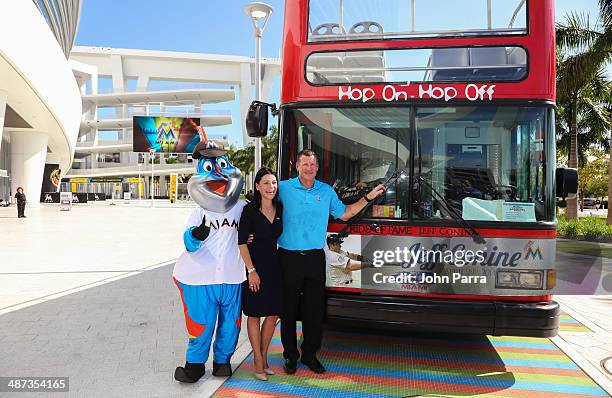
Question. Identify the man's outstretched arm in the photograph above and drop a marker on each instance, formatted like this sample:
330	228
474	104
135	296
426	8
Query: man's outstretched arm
355	208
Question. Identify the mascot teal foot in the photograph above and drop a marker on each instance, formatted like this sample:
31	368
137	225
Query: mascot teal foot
210	272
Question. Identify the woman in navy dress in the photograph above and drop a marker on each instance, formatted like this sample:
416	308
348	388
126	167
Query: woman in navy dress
262	294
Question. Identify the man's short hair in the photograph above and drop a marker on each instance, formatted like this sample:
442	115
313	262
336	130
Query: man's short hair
306	152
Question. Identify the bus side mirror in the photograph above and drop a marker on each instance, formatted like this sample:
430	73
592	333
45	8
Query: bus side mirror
567	181
257	118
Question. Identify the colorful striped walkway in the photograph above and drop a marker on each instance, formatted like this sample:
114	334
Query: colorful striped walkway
366	365
569	324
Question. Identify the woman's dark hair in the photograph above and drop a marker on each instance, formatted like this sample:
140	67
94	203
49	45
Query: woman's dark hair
264	171
18	188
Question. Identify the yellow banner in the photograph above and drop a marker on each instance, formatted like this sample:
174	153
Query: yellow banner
131	179
79	180
173	187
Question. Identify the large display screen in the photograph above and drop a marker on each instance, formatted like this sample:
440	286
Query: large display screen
165	134
51	178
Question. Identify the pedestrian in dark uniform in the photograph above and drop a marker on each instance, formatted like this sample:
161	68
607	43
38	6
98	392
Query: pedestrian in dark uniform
21	202
307	204
261	295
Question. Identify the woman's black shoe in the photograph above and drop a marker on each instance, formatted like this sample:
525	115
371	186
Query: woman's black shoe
290	366
222	369
190	373
314	365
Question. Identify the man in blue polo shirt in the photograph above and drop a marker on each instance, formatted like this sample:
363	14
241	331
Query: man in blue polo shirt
307	204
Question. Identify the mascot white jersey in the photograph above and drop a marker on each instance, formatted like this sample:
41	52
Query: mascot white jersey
210	272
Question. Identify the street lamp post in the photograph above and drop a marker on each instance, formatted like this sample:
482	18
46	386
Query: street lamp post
259	13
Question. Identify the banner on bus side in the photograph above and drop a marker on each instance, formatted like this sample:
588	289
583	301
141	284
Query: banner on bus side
458	265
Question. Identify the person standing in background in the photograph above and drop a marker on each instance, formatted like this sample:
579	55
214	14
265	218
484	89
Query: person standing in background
21	202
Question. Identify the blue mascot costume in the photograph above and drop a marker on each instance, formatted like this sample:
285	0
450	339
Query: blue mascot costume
210	272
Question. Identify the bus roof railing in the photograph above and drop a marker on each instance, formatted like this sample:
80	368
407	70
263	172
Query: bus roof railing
516	12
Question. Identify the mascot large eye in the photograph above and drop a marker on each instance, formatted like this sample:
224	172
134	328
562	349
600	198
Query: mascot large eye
222	163
207	166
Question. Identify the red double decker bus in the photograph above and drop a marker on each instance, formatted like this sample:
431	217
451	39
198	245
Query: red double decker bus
451	105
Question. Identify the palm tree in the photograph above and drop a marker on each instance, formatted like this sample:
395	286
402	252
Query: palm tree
592	118
583	51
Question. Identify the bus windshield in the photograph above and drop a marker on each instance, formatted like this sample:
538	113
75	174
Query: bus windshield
483	163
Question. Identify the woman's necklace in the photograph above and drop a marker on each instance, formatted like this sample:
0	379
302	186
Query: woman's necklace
268	211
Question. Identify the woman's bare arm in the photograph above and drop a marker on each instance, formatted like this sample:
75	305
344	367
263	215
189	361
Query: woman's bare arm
246	256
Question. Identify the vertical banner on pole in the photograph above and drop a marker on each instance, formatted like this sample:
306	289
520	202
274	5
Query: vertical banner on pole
173	187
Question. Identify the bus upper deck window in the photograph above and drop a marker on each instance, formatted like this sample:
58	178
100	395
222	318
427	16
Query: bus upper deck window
449	64
335	20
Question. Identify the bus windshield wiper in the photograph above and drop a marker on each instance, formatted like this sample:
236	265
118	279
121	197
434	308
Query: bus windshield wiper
402	174
453	212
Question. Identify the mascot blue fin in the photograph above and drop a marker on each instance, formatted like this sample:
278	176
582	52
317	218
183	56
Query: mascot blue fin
191	244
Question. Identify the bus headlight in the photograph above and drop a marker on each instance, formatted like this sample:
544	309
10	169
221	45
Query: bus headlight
519	279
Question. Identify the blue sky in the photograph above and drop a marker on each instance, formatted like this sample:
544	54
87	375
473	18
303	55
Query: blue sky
205	26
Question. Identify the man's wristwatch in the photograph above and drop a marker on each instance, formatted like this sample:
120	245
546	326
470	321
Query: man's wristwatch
249	270
366	198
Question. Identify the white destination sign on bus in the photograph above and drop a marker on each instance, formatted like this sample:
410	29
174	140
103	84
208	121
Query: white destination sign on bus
390	93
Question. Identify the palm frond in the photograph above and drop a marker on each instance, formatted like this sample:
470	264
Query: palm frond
601	88
595	117
575	72
575	33
605	11
603	45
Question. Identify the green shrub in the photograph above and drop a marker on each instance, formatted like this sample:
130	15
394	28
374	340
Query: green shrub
569	229
589	228
594	230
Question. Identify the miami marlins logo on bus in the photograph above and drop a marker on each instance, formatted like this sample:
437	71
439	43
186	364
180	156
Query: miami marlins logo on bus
532	250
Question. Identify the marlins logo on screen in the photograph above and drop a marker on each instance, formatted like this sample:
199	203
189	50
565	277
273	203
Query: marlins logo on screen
165	134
